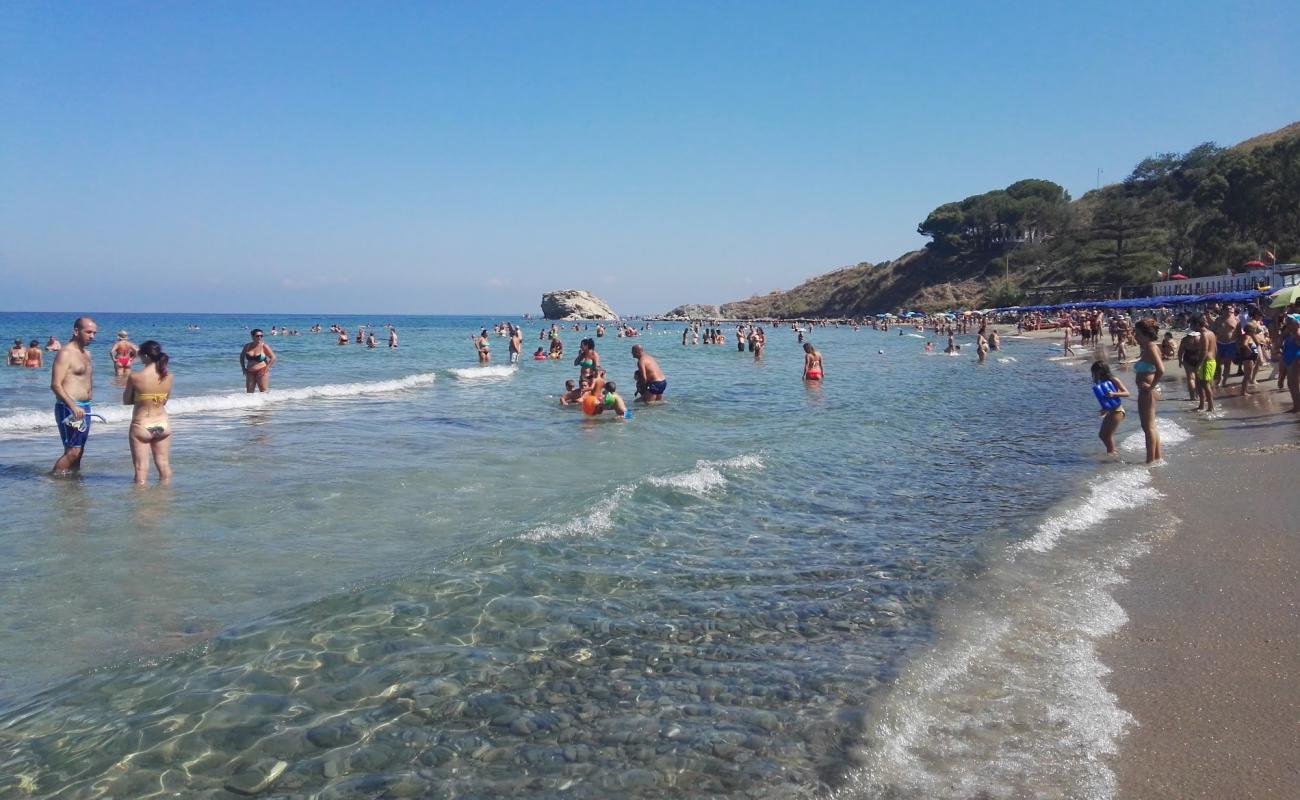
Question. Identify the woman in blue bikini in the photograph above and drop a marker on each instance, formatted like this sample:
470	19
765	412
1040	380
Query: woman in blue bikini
1148	370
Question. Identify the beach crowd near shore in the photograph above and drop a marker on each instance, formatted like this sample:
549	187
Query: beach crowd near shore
1216	344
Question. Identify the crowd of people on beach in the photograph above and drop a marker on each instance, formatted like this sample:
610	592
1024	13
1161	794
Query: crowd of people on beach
1213	342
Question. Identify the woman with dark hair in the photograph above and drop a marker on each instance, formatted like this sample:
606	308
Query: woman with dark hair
1108	390
150	432
588	360
256	359
35	358
1147	371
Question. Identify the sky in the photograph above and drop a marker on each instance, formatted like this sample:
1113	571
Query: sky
464	158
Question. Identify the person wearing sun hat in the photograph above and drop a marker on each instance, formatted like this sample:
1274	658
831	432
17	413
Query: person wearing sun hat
122	353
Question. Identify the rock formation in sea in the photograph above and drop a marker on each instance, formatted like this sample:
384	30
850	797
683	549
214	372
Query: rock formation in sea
694	311
575	304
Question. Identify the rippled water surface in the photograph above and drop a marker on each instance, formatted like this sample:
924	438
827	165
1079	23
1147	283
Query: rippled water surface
400	575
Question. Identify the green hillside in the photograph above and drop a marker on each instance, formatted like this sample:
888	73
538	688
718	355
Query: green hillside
1201	211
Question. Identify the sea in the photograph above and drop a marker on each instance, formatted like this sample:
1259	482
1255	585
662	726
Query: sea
402	574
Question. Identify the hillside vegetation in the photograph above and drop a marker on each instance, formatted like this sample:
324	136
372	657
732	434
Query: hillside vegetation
1201	212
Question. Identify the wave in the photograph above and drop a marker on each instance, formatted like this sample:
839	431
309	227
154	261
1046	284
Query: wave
481	373
1012	700
1127	488
704	479
22	421
1170	433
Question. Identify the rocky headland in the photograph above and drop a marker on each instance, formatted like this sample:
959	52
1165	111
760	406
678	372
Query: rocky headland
575	304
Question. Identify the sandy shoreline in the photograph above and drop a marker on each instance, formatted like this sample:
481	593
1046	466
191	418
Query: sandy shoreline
1209	662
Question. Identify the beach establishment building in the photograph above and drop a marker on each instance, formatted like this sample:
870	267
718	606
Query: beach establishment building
1278	276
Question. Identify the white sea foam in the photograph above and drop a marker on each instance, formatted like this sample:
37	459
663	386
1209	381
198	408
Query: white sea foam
1107	494
494	371
705	478
592	522
916	336
23	421
1007	360
1171	433
1012	701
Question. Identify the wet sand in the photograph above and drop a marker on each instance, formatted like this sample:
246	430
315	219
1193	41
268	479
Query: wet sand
1209	663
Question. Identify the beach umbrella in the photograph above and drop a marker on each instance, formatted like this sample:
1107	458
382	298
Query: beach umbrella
1254	265
1285	297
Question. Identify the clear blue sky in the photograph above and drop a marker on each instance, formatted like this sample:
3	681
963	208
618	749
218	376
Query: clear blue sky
465	157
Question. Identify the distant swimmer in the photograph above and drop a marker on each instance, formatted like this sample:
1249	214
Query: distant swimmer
343	337
483	348
929	347
656	383
1147	371
540	355
256	360
361	334
17	354
981	347
71	380
122	353
1108	390
52	345
371	344
392	338
147	391
995	341
952	345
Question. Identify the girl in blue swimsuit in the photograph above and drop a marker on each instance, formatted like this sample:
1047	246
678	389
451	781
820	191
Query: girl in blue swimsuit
1108	390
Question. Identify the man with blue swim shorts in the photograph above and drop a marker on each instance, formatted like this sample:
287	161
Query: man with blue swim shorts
71	381
1226	330
651	374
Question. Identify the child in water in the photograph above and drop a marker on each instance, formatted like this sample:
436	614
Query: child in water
1108	390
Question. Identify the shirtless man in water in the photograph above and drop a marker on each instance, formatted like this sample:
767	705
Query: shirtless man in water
71	381
1205	364
655	382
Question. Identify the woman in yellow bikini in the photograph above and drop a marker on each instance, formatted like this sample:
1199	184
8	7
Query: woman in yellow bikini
150	432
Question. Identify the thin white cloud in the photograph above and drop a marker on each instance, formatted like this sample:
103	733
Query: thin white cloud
317	282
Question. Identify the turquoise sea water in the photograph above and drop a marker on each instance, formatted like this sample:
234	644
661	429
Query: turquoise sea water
398	574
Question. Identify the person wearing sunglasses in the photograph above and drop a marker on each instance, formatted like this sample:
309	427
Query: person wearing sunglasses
256	360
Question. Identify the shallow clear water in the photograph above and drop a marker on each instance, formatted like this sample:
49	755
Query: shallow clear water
398	572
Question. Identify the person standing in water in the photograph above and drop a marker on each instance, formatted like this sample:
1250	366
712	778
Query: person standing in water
122	354
147	392
1108	390
256	360
516	343
392	338
483	348
1206	365
812	363
1147	371
71	380
35	358
655	381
